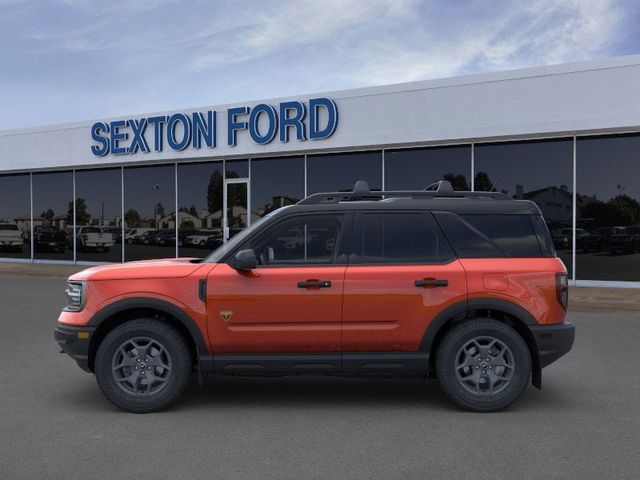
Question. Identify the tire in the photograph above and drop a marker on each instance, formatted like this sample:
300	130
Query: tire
151	335
469	386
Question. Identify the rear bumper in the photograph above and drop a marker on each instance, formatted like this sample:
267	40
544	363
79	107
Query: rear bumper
554	341
74	341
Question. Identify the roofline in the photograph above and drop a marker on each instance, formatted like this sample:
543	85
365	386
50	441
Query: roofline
479	78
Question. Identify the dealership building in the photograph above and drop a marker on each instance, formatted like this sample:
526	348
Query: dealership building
180	183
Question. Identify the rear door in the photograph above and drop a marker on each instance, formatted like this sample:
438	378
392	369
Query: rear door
401	273
291	303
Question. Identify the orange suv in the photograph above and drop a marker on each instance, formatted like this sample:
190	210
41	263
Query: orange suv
462	286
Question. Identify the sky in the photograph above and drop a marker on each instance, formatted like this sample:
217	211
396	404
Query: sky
73	60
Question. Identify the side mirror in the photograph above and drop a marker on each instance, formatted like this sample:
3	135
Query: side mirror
245	260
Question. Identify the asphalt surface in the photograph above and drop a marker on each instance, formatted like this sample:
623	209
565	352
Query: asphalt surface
54	423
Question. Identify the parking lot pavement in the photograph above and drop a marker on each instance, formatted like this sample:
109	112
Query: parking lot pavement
54	423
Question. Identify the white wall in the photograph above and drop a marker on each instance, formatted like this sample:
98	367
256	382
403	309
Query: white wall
574	98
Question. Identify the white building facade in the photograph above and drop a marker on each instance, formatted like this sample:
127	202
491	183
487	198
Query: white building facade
565	136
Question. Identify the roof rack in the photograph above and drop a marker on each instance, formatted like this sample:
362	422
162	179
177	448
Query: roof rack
361	192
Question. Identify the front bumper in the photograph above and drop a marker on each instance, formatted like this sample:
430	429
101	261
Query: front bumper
554	341
74	341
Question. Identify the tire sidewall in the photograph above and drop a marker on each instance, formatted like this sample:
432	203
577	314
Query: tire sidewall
456	339
178	377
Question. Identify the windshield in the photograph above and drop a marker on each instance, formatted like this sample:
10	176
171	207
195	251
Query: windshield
232	243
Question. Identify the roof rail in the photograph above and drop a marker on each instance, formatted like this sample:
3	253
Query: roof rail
361	192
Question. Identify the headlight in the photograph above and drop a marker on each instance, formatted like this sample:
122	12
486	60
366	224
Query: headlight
75	296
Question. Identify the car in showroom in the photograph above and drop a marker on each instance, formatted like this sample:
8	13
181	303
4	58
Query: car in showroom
465	287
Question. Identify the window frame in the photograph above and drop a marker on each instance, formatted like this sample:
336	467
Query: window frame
431	222
340	255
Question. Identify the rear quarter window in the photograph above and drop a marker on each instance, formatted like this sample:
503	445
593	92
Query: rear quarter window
490	235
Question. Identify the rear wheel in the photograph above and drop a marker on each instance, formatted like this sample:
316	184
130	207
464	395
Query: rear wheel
143	365
483	365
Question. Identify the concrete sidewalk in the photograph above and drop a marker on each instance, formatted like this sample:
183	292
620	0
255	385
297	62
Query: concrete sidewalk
581	299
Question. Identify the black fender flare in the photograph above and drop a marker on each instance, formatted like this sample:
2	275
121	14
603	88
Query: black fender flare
156	304
461	309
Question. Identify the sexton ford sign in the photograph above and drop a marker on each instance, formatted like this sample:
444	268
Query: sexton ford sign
314	120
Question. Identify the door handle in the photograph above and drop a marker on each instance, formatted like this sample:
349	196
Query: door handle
315	284
431	282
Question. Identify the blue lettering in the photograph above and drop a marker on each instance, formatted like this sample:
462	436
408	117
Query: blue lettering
254	119
233	125
204	129
117	136
171	131
139	142
157	123
332	111
296	121
103	148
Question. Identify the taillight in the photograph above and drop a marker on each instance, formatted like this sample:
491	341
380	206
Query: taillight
562	289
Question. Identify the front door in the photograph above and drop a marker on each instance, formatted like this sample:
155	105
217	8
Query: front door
291	303
401	274
236	216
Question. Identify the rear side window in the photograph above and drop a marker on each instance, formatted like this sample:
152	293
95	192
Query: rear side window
485	235
398	238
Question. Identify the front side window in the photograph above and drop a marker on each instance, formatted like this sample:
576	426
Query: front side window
399	238
304	240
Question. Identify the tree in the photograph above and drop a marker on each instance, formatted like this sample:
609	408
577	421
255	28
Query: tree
159	209
193	210
132	218
459	182
82	216
482	182
48	215
214	192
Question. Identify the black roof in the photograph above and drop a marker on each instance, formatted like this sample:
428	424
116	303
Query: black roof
439	196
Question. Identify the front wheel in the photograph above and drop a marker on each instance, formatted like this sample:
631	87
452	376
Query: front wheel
483	365
143	365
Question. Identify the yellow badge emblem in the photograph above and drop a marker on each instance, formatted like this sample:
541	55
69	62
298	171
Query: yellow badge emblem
226	314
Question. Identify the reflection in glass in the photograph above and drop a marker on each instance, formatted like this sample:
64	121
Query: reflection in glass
608	208
98	215
236	208
53	215
341	171
275	182
149	203
200	189
237	168
540	171
416	168
15	216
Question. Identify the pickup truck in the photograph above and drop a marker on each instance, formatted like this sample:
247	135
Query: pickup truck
10	237
93	238
49	238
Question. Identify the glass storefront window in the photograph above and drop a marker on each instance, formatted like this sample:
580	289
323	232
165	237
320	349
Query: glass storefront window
200	189
98	215
149	204
275	182
341	171
416	168
540	171
53	216
237	168
608	208
15	216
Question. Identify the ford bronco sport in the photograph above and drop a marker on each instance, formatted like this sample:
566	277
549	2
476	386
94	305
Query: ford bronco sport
462	286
